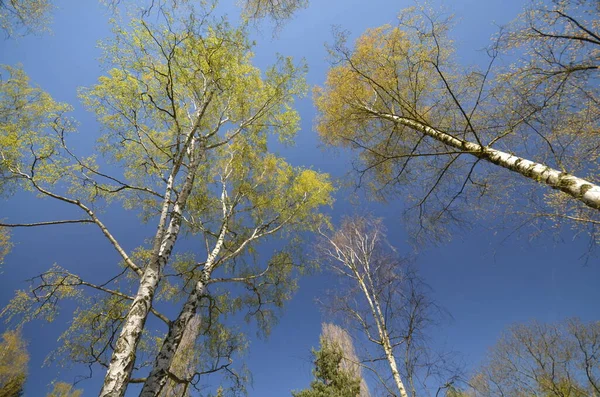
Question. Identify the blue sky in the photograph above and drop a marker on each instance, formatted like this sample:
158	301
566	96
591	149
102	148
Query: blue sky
486	282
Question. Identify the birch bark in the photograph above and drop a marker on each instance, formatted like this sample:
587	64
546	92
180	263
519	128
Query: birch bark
383	335
580	189
123	358
158	376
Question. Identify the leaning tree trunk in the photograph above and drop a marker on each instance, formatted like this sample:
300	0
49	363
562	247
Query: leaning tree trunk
580	189
123	357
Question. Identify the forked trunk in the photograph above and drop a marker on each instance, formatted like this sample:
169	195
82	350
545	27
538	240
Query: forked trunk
123	357
160	371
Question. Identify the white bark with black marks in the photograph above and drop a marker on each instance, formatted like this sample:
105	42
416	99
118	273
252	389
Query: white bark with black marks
384	336
123	358
160	371
580	189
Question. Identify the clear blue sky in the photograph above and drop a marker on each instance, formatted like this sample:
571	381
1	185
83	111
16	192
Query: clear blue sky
484	282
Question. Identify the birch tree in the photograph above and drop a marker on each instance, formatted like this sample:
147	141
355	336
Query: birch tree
384	300
441	135
186	119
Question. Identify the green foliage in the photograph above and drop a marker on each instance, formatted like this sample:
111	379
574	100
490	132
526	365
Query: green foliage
42	301
31	129
13	364
330	379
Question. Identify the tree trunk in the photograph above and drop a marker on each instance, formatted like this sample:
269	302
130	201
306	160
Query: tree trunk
184	364
578	188
383	334
160	371
123	357
389	355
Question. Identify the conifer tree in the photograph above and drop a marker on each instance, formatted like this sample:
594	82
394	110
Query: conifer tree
331	379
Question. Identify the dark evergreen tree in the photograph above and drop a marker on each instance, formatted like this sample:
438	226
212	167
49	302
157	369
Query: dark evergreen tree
331	380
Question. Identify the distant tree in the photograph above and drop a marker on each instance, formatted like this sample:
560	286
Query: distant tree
456	392
543	360
62	389
13	364
384	300
443	136
333	378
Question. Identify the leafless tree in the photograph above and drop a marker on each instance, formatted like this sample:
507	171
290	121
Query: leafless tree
543	360
385	301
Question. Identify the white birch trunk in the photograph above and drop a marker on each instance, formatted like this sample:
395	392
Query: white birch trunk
389	355
383	335
123	358
160	371
578	188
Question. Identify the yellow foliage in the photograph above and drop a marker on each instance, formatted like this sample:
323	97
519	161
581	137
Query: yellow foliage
62	389
13	363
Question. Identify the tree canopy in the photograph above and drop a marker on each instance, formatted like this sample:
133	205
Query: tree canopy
539	359
186	120
24	15
424	128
